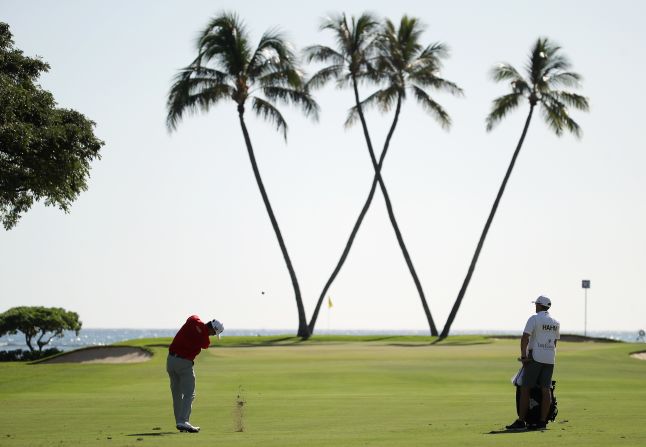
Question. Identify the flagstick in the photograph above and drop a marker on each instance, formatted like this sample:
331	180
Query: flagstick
329	308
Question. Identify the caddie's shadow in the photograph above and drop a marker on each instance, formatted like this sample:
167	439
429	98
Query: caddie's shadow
508	432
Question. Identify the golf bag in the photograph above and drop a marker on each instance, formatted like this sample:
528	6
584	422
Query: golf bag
535	398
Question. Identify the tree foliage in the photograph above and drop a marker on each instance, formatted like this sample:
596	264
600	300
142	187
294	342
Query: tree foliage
45	151
402	63
546	73
228	68
45	323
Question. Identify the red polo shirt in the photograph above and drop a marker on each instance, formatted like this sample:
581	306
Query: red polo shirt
190	339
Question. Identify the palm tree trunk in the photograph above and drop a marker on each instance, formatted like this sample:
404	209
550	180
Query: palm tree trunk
389	207
355	229
303	330
483	236
402	245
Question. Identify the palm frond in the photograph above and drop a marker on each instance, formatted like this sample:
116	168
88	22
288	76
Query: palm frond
299	97
383	98
388	97
323	76
182	99
225	40
579	102
353	112
269	112
344	81
333	22
197	74
556	115
425	80
505	72
288	75
321	53
553	114
273	50
363	31
563	79
573	126
435	51
338	25
408	35
501	107
432	107
556	63
195	88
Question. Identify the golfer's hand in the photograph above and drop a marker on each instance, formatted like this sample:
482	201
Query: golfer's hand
523	359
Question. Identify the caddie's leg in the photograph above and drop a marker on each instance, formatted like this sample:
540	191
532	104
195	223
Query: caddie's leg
523	405
546	402
545	382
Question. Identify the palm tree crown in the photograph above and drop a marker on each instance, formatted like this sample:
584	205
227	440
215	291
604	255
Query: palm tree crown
547	71
404	64
355	40
227	68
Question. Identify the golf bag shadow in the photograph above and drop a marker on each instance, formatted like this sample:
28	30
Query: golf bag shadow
535	397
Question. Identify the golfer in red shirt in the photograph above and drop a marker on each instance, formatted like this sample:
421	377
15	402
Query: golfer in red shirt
187	344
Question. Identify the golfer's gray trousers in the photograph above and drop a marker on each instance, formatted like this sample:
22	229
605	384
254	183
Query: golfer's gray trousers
182	387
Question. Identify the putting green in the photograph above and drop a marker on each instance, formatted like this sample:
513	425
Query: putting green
330	391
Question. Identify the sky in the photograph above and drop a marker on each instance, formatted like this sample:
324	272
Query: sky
173	224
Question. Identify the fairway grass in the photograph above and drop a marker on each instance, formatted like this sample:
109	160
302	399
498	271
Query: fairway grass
329	391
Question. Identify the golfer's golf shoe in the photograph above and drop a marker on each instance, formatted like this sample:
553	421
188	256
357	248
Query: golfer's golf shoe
186	427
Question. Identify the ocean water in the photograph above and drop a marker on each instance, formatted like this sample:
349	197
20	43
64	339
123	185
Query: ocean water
102	337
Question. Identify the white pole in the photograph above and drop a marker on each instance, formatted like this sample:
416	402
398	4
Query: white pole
585	317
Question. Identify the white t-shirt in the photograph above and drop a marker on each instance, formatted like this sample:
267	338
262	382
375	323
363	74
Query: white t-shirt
543	332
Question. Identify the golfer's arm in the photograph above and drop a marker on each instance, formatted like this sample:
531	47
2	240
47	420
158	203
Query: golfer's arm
524	341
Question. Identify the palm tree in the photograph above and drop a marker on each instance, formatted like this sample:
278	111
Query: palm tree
347	64
547	71
391	56
227	68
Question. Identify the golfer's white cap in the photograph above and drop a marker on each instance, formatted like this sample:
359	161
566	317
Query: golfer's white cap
543	301
217	327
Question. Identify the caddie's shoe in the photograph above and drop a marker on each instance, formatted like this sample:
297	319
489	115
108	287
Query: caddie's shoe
538	426
517	425
186	427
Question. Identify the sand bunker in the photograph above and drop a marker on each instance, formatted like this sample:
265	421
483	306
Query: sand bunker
103	354
639	355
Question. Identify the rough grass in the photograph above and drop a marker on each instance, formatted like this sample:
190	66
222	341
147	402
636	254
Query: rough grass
329	391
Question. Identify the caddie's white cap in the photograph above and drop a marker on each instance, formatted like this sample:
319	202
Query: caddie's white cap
217	327
543	301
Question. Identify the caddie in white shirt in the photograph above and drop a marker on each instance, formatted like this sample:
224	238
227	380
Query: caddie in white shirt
538	354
